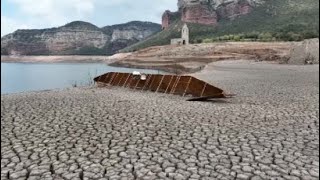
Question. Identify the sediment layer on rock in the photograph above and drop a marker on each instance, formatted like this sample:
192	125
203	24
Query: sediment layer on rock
76	38
210	12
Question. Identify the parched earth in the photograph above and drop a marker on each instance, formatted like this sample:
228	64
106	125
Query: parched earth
192	58
270	130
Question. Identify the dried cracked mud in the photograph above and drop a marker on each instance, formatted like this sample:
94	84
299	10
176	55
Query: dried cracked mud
270	130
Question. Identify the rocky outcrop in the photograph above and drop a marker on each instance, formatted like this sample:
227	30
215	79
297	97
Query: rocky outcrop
76	38
306	52
168	18
210	12
234	9
200	14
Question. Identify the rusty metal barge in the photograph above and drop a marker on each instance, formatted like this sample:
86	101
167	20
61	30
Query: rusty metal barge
169	84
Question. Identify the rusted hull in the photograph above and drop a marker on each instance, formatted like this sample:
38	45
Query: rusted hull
169	84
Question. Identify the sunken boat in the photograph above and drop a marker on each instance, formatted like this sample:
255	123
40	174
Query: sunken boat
170	84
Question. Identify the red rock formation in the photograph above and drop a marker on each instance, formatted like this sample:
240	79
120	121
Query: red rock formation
166	19
233	10
200	14
208	13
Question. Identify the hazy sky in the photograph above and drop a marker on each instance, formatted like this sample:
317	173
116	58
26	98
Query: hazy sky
37	14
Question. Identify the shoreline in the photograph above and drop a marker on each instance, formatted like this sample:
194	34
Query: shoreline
190	58
54	59
116	62
168	68
203	73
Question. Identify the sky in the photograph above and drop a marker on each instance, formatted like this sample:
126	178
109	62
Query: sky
38	14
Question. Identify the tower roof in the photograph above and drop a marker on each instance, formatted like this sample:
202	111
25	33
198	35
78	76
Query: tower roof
185	25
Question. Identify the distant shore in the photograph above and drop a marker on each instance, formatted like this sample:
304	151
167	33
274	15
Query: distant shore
115	61
55	59
193	58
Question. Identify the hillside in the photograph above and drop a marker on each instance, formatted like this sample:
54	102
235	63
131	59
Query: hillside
274	20
76	38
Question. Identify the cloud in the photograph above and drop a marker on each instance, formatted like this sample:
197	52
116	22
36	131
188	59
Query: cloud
143	10
9	25
52	13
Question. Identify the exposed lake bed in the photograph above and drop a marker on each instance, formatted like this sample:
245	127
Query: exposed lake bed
272	124
148	90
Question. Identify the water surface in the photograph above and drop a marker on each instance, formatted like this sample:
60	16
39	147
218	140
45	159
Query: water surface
23	77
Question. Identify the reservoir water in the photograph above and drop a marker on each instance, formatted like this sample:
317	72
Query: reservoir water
24	77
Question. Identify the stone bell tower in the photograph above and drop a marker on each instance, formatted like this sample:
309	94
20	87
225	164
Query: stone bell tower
185	34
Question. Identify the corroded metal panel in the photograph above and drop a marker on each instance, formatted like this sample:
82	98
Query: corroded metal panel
169	84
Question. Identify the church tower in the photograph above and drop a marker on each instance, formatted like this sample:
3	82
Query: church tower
185	34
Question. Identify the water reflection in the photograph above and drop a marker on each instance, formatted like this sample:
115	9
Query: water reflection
22	77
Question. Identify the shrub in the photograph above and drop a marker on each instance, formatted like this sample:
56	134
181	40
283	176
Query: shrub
265	36
236	38
199	40
207	40
252	35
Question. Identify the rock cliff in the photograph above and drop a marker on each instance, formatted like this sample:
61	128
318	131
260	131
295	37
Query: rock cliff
210	12
169	17
239	20
76	38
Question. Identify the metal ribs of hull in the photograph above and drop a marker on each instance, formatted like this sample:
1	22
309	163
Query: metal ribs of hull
169	84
